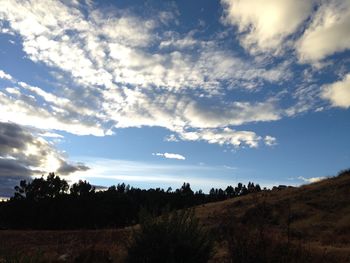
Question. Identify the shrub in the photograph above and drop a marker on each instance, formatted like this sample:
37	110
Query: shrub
175	237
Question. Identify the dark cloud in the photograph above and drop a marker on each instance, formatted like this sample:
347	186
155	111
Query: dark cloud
10	167
12	136
67	168
24	153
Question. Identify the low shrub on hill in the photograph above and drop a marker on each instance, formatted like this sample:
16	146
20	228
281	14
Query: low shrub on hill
175	237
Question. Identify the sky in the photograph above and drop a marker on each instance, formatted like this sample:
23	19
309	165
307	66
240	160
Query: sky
157	93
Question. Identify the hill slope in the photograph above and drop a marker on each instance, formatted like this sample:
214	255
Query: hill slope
316	216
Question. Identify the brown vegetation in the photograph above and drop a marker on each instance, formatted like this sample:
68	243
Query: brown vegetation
314	217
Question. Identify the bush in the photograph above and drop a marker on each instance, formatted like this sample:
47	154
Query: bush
175	237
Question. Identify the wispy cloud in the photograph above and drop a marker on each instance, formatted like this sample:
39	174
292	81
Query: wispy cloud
170	156
171	138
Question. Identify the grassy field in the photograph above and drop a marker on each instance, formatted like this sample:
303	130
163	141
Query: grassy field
313	219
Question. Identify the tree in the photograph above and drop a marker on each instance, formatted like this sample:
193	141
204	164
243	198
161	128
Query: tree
55	185
244	190
230	191
238	189
212	192
82	188
40	188
21	190
121	188
186	189
257	188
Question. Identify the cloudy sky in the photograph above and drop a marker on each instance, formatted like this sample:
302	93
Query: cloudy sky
154	93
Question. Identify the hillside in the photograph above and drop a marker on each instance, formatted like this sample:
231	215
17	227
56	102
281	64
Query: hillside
314	218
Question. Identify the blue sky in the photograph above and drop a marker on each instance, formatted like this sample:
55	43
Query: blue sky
155	93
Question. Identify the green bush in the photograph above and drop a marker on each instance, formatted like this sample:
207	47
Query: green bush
175	237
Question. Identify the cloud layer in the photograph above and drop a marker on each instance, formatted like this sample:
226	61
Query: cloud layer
123	74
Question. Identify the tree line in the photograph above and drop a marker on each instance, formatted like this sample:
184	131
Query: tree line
50	203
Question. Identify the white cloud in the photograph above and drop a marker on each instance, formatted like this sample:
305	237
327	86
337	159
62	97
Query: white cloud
140	109
132	108
51	135
113	49
224	136
328	33
170	156
270	141
236	113
265	24
338	93
21	105
272	26
171	138
116	62
26	111
312	179
13	91
3	75
230	167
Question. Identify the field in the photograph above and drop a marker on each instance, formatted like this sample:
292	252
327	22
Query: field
315	219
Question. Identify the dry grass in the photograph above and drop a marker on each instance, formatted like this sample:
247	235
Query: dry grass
319	216
60	246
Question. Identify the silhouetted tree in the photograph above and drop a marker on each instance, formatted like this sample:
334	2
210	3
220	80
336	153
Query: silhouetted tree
244	190
82	188
121	188
238	189
21	190
212	192
186	189
45	204
40	188
230	191
55	185
257	188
